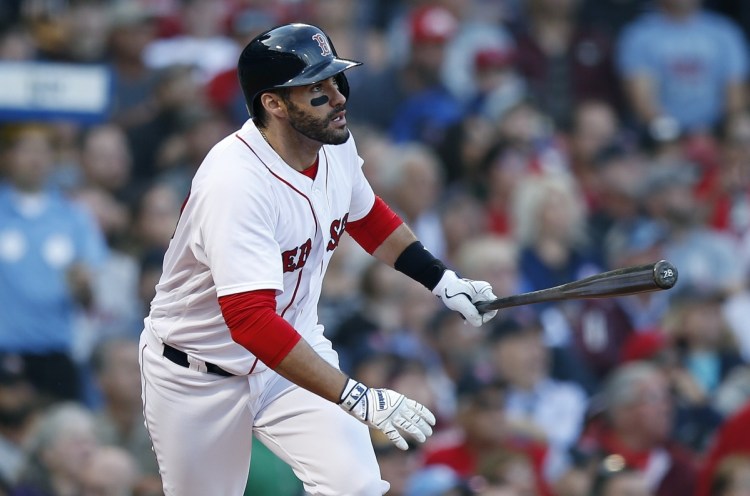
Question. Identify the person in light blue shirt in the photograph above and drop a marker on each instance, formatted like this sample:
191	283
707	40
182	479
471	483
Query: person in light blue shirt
684	66
49	246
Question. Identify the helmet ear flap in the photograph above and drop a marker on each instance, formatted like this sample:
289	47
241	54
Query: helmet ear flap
343	84
340	78
255	109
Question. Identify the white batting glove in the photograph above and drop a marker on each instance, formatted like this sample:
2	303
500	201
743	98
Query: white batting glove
462	294
389	411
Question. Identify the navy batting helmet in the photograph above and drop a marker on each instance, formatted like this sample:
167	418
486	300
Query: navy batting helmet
286	56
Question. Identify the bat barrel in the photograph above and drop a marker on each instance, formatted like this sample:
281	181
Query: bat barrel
619	282
628	280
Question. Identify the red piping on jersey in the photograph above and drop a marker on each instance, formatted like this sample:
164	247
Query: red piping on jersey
184	202
294	295
371	230
182	209
255	362
312	210
253	322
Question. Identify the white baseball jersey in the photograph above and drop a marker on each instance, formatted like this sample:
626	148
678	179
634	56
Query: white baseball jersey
252	222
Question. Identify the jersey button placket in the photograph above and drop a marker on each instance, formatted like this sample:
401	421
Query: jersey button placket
321	209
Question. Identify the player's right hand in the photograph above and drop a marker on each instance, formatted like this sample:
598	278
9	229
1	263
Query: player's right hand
391	412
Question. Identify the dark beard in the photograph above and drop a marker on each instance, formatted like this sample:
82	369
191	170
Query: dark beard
317	129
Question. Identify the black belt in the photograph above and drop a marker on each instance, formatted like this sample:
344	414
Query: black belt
181	358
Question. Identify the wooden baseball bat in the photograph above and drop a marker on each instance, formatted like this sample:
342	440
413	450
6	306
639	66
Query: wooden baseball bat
618	282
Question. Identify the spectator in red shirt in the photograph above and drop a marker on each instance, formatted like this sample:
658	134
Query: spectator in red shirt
732	438
483	433
636	424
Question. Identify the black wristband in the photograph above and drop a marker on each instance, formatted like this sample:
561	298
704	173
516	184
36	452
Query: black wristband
421	265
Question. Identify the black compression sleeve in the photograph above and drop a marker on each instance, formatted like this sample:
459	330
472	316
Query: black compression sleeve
421	265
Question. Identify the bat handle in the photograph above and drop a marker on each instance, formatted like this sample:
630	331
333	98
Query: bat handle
482	306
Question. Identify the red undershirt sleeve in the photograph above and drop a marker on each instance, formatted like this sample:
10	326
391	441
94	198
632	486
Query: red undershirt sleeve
253	322
371	230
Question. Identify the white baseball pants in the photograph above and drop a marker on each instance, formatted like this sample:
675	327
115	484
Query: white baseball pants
201	426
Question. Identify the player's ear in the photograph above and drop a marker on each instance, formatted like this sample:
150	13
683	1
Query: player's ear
272	103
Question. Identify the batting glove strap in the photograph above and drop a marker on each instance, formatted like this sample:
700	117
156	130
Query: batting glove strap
461	295
353	395
388	411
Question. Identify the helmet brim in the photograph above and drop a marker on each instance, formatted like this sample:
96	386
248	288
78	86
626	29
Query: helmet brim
320	72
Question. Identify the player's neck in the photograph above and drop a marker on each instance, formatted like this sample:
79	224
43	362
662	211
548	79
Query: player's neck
295	149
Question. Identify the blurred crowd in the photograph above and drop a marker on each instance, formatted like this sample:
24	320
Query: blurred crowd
528	143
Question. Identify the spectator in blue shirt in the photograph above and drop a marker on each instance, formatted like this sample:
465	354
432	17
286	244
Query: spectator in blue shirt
410	101
48	249
683	66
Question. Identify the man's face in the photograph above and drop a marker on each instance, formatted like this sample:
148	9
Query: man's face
120	379
428	58
483	417
650	411
317	112
17	401
522	359
30	160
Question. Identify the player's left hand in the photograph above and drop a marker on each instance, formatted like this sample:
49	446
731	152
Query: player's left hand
391	412
461	295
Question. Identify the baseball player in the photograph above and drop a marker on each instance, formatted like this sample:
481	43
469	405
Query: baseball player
232	346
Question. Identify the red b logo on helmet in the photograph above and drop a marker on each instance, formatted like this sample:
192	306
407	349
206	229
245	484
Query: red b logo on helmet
325	48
